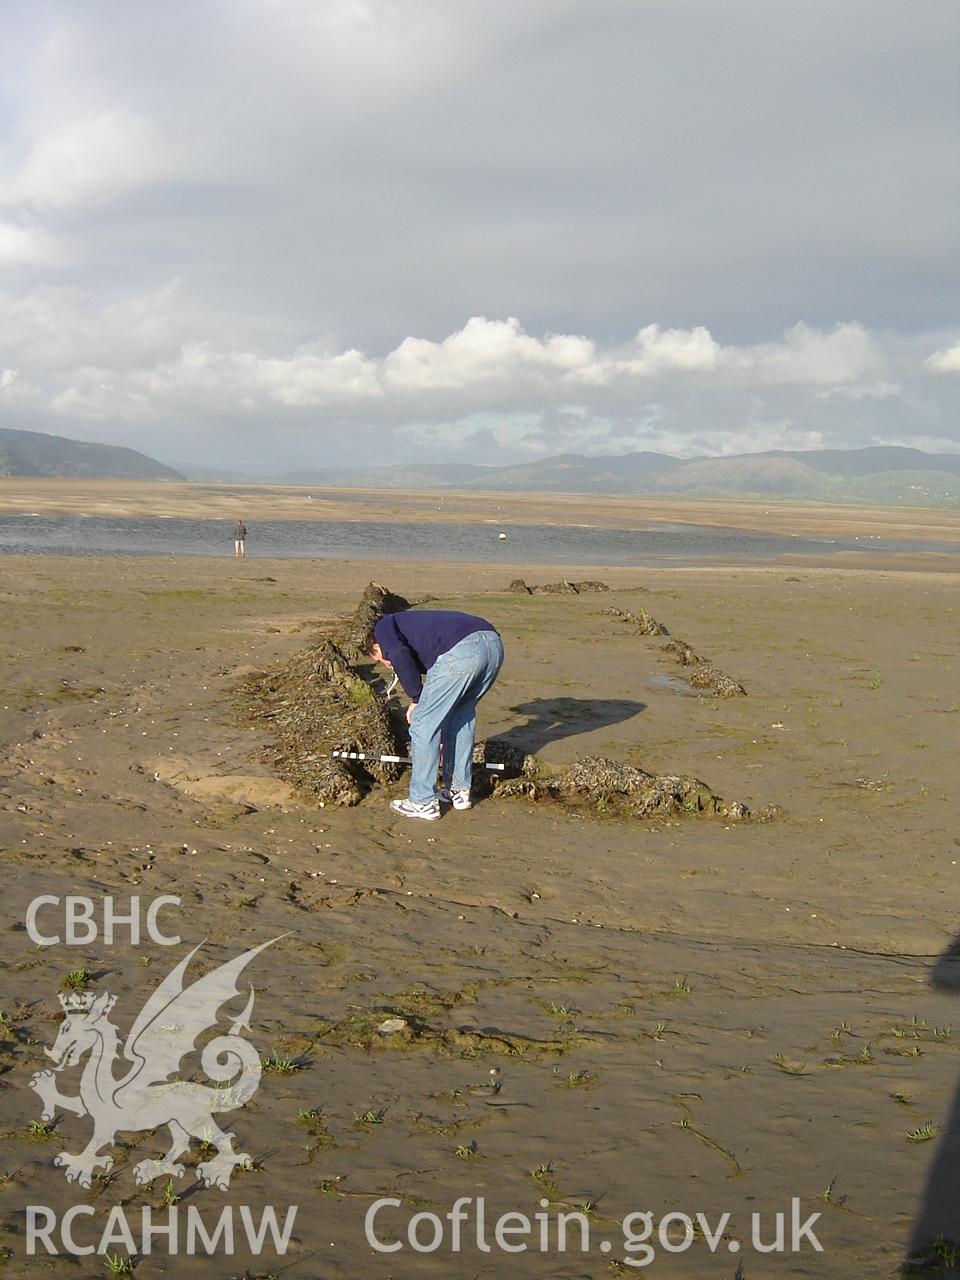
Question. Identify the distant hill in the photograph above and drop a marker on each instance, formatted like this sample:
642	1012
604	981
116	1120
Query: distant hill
432	475
32	453
886	474
200	474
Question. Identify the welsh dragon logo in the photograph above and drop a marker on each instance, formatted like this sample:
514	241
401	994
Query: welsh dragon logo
147	1093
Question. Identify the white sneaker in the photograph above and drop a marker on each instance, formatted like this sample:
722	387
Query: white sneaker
430	811
459	799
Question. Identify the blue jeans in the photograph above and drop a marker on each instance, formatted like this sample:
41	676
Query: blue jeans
446	714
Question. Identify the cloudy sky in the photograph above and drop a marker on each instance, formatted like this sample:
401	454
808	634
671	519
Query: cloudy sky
266	233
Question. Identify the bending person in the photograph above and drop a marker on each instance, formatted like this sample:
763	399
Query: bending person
446	662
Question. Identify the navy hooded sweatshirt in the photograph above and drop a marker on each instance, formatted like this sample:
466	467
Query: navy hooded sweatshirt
413	640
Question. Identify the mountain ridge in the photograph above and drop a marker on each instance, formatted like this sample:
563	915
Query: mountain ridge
36	453
887	473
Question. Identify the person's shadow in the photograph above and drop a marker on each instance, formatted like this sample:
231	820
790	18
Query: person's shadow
549	719
934	1248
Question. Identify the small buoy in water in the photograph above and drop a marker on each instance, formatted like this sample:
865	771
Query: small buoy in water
502	537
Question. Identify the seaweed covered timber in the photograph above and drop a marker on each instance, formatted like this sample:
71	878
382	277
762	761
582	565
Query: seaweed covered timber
561	588
621	790
374	603
702	674
312	705
645	623
319	702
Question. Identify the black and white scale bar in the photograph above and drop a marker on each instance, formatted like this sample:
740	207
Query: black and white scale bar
364	755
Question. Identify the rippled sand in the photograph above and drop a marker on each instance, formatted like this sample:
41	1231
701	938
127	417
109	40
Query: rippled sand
693	1016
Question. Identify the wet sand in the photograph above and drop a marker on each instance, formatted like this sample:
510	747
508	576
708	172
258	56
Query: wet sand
667	1016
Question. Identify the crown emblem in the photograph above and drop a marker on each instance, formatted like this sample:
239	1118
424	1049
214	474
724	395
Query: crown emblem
76	1001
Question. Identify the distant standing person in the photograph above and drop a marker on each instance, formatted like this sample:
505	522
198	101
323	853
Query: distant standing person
240	539
446	662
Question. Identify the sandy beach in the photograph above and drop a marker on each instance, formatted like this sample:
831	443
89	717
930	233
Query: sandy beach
677	1016
672	987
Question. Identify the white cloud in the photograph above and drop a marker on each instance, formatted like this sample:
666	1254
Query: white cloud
673	390
929	444
880	390
86	163
754	439
945	361
811	357
483	350
690	350
55	329
458	374
523	439
25	246
11	386
16	393
804	356
320	180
